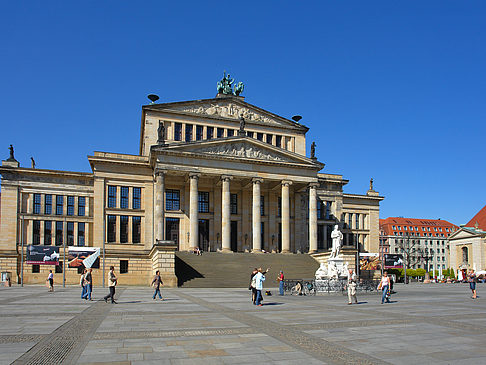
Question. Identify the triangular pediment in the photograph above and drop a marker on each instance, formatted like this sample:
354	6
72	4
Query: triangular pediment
230	108
242	148
465	232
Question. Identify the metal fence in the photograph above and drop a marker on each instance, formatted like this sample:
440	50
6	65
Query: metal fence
313	287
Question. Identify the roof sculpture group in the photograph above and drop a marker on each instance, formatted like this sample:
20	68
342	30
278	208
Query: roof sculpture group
225	86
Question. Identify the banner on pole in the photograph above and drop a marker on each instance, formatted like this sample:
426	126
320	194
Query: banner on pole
84	257
42	255
393	261
369	261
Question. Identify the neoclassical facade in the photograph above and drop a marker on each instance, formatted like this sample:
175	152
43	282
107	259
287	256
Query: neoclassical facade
219	174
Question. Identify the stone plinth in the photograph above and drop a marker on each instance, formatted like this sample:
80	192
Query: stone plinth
163	259
347	255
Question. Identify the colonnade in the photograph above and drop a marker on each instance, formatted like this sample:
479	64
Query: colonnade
226	213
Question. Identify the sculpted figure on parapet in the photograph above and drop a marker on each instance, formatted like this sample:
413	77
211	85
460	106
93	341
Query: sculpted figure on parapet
337	240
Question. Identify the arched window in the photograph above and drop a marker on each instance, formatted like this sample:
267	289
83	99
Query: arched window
464	255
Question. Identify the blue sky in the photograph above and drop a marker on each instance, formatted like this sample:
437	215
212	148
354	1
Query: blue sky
390	90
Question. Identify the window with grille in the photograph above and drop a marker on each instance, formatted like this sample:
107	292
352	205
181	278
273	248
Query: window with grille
81	206
269	138
209	132
172	199
203	201
188	132
136	200
70	205
234	203
111	229
36	232
37	203
81	228
136	229
231	132
262	205
47	233
123	266
70	233
59	204
199	132
48	204
278	141
124	229
220	132
124	197
111	196
59	233
178	132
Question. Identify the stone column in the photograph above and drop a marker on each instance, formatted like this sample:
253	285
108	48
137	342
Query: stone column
225	215
286	216
193	212
256	218
313	218
159	205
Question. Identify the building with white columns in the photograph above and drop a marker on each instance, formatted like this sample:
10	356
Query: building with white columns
218	174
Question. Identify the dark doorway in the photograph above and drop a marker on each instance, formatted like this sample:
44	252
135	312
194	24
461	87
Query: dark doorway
279	237
320	237
234	236
203	241
172	230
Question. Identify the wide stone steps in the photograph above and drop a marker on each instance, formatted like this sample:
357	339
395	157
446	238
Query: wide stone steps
232	270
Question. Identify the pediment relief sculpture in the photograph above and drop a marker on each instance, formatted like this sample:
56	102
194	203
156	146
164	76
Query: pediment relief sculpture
227	110
240	150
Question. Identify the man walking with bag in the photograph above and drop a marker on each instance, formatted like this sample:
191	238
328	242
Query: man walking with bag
352	287
112	280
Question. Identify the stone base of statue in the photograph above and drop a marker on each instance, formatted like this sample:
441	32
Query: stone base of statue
335	268
346	257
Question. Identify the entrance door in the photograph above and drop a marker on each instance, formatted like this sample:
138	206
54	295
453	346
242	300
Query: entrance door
234	236
280	237
172	230
203	241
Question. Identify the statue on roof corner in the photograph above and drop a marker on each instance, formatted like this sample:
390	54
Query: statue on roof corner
225	86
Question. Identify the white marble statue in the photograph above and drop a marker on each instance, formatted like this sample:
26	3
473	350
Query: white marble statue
321	272
332	270
337	240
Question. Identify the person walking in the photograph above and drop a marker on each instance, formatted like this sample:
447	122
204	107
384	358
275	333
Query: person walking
280	279
472	279
259	279
384	286
82	284
156	283
88	284
50	279
252	285
351	286
112	281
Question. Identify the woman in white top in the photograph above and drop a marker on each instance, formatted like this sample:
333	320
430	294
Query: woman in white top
384	286
50	279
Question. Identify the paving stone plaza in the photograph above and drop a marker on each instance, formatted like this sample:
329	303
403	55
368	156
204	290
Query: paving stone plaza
424	324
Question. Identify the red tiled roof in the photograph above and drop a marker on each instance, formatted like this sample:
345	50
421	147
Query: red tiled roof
418	224
480	217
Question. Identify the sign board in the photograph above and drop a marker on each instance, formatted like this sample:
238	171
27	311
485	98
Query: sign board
42	255
369	261
84	257
393	261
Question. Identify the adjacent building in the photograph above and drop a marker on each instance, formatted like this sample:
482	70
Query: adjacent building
468	244
423	241
218	174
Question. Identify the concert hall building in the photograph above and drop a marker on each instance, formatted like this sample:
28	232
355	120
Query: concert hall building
219	174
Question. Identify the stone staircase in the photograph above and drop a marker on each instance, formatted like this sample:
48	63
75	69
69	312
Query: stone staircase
232	270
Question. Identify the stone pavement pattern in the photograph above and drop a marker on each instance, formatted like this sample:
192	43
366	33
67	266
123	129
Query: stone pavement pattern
425	324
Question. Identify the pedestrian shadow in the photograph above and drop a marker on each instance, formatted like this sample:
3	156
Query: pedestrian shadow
130	302
362	303
273	303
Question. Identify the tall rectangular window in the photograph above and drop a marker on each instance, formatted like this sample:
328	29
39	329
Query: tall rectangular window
260	136
81	206
328	210
178	132
209	132
37	203
250	134
279	207
48	204
231	132
220	132
172	199
278	141
70	233
81	228
203	201
36	233
269	138
262	205
350	220
188	132
111	196
124	197
234	203
111	229
59	233
123	266
136	229
70	205
357	221
320	208
199	132
47	233
136	199
59	204
124	229
262	233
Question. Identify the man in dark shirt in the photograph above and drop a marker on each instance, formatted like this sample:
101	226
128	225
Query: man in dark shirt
156	282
